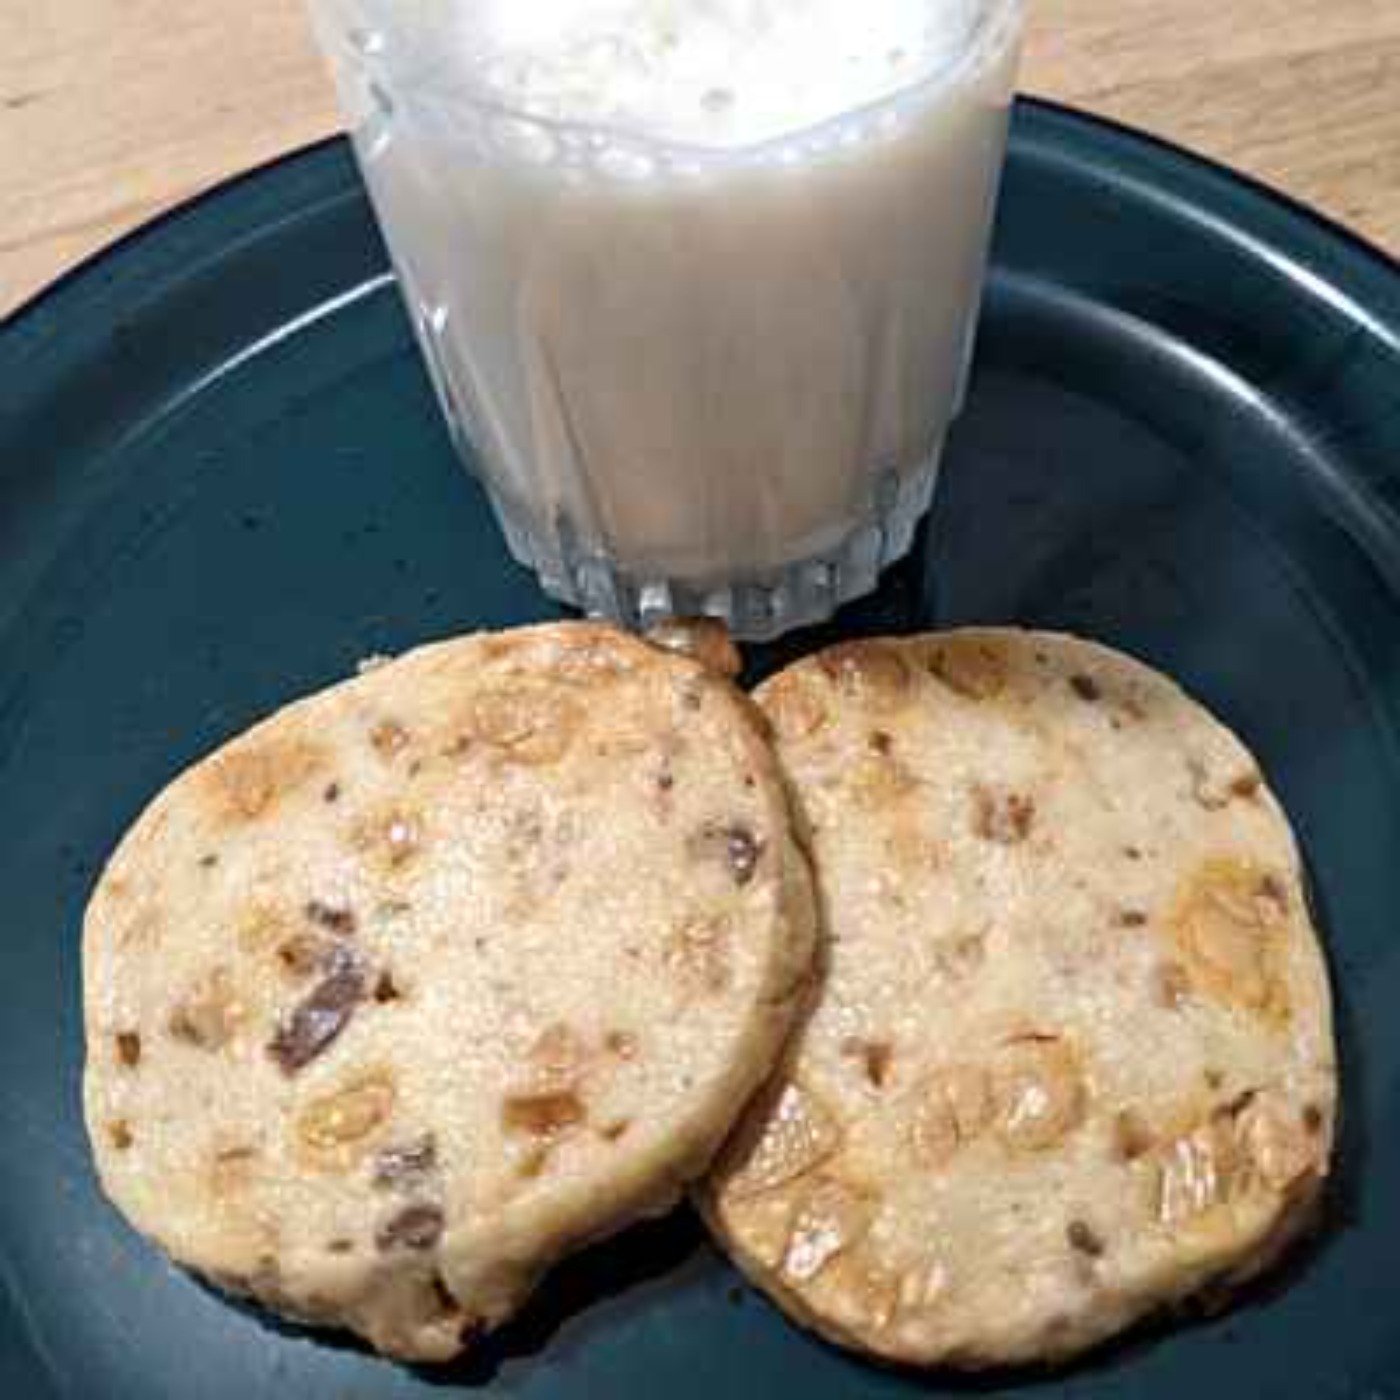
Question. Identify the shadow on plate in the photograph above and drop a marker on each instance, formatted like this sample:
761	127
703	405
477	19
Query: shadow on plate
614	1272
618	1273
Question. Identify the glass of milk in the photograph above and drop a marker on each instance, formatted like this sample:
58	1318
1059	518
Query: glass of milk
696	280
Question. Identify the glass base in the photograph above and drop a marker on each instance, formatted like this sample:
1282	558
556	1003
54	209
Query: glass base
757	608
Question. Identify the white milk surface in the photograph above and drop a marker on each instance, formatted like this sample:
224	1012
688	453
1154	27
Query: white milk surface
722	73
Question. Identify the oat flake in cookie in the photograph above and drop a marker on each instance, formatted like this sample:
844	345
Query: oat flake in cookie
440	974
1072	1057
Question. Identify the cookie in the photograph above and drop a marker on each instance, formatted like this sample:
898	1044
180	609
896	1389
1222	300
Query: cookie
441	974
1071	1060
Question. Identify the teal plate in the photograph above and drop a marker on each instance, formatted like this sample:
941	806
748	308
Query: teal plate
223	480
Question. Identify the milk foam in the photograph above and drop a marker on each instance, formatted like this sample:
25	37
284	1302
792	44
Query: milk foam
716	73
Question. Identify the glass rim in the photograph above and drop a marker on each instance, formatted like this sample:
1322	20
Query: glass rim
996	30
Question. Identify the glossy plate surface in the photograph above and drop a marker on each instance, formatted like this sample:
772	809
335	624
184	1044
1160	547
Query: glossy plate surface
223	481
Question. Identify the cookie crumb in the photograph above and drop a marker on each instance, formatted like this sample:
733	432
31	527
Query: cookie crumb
1083	1238
1004	818
417	1227
336	918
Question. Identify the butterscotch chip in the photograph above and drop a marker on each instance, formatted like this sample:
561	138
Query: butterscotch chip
210	1013
975	667
453	997
1071	1057
339	1128
873	672
703	639
544	1115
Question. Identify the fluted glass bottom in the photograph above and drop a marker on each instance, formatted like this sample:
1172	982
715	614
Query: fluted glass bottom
756	607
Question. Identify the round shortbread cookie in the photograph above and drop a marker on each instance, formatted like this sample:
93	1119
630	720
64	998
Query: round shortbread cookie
1071	1060
440	974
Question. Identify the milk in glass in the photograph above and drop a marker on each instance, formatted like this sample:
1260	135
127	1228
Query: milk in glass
697	280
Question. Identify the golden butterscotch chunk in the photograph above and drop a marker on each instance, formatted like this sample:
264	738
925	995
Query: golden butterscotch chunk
970	664
1230	924
433	976
1070	1059
335	1130
704	639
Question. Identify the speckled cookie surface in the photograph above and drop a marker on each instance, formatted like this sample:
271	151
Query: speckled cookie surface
436	975
1071	1059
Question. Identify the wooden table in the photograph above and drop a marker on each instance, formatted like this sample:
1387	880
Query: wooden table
112	110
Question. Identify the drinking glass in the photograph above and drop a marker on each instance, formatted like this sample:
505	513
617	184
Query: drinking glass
694	379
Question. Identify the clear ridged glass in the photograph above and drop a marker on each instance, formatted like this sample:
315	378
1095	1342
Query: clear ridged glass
693	381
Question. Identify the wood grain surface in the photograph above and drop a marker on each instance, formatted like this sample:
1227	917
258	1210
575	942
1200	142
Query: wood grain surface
113	110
